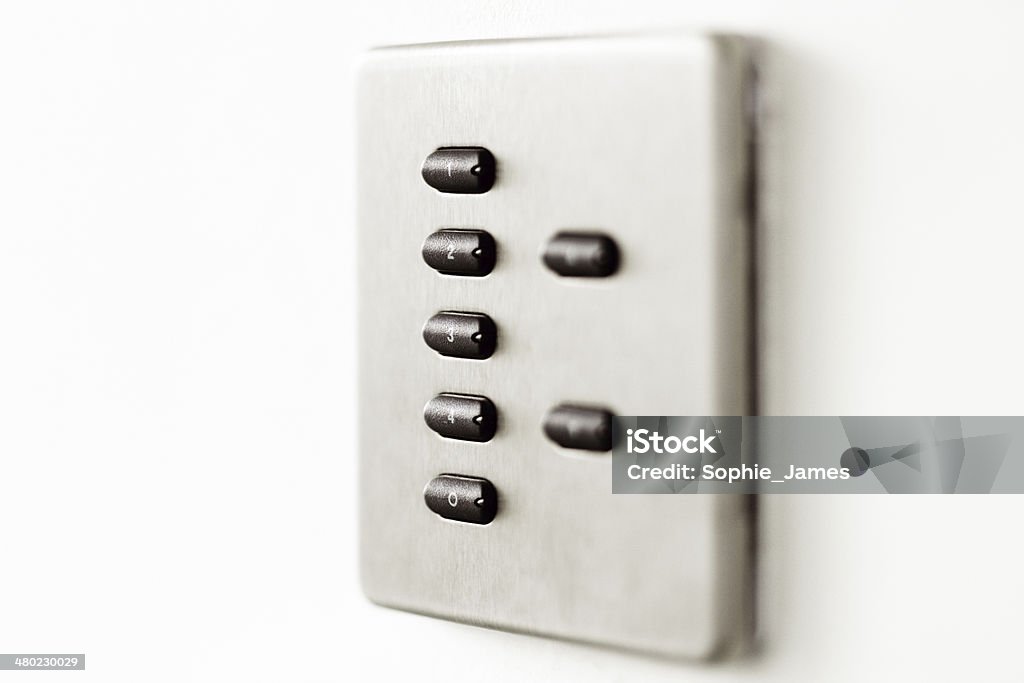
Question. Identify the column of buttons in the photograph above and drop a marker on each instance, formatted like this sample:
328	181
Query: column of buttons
471	335
468	335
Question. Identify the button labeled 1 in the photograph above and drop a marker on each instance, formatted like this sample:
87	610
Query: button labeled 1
459	170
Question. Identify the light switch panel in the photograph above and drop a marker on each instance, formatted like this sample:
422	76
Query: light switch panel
551	232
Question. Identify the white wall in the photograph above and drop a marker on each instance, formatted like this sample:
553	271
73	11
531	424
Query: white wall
176	344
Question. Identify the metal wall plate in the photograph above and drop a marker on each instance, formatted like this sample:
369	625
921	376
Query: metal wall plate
644	139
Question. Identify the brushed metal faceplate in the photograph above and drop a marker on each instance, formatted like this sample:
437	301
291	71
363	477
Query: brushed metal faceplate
644	139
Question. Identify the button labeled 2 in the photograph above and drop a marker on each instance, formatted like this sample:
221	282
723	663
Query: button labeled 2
470	253
463	499
463	417
461	335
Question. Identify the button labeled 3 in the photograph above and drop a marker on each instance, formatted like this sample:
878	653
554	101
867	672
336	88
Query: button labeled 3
461	335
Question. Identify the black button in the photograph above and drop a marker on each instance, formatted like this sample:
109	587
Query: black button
462	335
588	429
581	254
460	252
458	416
464	499
462	170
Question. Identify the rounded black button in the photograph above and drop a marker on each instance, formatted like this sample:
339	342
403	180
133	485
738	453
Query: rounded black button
579	254
461	335
461	416
469	253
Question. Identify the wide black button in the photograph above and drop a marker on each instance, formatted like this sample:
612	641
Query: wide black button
582	254
460	252
460	416
581	427
462	335
464	499
461	170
